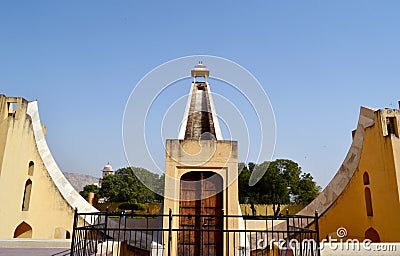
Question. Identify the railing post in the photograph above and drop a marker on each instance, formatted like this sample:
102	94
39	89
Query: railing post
317	232
73	231
169	232
105	225
222	231
287	231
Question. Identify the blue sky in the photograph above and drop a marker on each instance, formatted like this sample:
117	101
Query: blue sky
318	61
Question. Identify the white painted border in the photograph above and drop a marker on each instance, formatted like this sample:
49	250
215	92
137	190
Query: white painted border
67	191
218	133
186	115
346	171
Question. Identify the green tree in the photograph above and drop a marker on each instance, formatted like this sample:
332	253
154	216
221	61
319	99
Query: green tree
125	186
282	183
244	176
273	186
132	206
251	166
87	189
308	190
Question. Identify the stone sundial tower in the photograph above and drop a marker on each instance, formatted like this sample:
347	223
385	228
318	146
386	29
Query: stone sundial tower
201	176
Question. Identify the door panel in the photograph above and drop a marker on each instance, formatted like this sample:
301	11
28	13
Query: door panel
201	207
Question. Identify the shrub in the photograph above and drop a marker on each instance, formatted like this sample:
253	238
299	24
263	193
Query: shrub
132	206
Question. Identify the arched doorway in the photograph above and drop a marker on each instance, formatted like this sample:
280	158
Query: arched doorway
200	207
23	230
372	235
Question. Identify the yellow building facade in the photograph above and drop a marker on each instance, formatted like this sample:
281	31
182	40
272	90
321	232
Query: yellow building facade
36	199
201	176
364	195
38	202
363	198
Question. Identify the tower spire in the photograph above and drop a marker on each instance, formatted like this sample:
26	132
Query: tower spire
200	119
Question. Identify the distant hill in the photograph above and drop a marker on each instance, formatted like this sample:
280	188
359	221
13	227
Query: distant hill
79	180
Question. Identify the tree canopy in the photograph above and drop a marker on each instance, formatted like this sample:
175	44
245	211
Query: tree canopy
124	186
89	188
282	183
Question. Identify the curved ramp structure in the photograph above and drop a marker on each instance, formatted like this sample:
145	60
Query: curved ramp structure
72	197
33	191
363	199
342	178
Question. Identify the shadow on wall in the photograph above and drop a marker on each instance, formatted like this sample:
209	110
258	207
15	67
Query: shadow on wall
264	210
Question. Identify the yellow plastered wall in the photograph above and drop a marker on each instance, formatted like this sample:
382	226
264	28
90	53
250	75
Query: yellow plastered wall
219	156
380	158
48	211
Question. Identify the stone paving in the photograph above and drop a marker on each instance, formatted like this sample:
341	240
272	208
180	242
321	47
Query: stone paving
30	251
376	249
372	249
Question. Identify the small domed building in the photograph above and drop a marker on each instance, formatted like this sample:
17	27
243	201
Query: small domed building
107	170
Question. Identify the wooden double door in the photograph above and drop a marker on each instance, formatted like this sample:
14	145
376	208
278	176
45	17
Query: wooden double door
200	209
